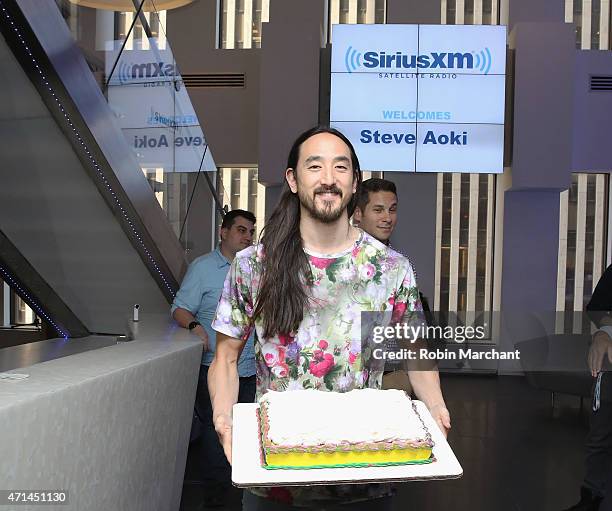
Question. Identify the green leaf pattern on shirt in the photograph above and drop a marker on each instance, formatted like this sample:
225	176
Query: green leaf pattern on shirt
326	351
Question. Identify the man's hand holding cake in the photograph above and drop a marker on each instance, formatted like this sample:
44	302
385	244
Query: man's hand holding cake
223	386
223	426
426	386
442	417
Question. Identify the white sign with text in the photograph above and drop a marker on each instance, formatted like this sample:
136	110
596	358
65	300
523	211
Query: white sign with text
152	106
421	98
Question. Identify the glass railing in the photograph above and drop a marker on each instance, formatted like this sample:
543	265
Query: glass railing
128	53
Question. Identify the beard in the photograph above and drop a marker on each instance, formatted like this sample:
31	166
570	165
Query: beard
326	213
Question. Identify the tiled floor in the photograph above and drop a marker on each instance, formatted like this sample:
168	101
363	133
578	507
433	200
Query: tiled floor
517	453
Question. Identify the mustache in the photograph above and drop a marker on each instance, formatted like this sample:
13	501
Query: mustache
328	189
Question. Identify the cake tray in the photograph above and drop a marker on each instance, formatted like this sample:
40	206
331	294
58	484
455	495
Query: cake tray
247	470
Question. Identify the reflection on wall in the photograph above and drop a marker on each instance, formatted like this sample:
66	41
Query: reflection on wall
356	12
592	20
466	209
111	26
241	23
132	61
464	244
368	174
13	310
582	247
147	95
584	208
470	12
241	20
239	189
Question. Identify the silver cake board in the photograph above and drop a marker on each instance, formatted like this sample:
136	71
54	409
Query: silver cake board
247	470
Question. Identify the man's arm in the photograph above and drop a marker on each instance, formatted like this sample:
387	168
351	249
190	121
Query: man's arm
600	347
598	309
223	387
426	386
600	304
183	317
425	380
423	374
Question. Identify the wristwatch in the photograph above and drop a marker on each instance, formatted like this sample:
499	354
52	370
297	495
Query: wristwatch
193	324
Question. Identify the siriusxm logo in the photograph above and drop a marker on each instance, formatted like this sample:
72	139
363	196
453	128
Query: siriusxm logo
130	72
157	119
481	60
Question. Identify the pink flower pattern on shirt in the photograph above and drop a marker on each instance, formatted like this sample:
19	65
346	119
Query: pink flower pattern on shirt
327	345
326	352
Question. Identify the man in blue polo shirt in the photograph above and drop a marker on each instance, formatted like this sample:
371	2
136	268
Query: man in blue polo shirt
194	308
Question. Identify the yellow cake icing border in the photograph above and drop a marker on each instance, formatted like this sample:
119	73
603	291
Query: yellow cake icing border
370	454
380	457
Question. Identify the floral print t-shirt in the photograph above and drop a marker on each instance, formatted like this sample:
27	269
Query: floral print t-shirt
326	351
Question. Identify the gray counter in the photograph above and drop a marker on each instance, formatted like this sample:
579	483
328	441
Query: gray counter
109	424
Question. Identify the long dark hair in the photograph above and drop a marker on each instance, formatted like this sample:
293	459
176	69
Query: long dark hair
286	276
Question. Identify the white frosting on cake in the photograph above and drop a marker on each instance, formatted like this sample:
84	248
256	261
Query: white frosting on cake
312	417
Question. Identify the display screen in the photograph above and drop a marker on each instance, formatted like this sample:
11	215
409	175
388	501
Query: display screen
421	98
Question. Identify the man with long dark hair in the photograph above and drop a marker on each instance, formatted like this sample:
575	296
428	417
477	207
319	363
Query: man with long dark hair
303	289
